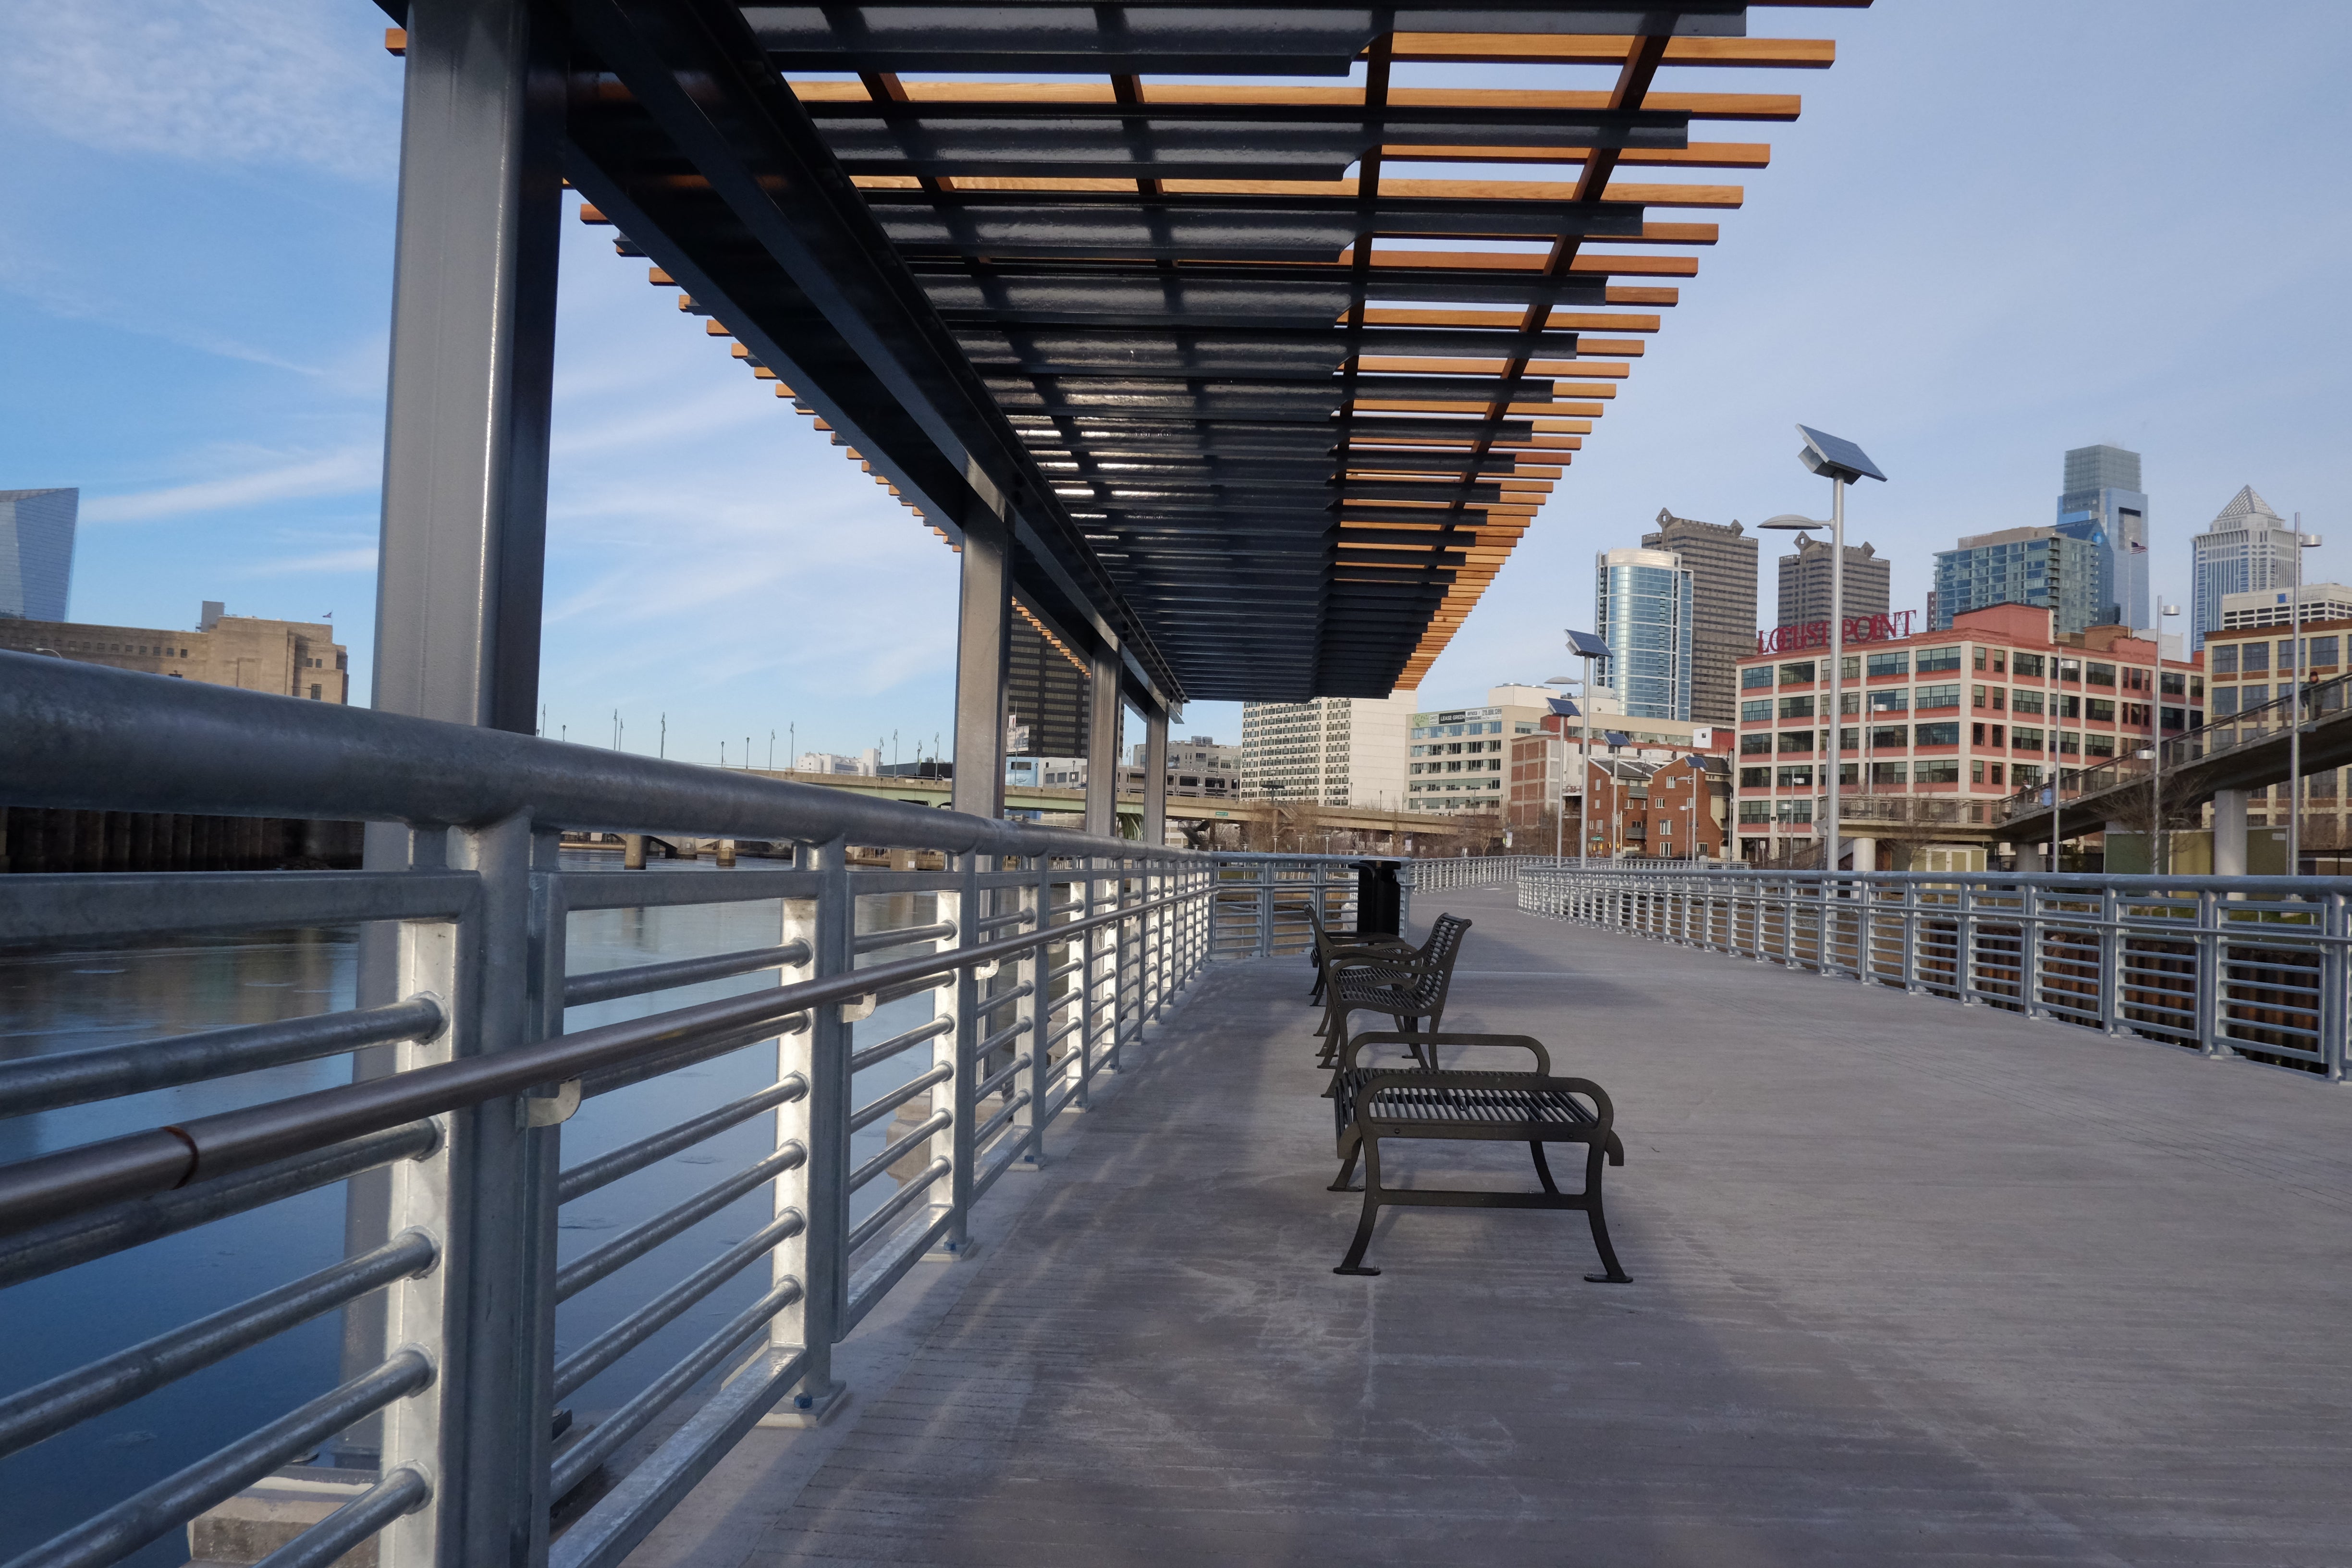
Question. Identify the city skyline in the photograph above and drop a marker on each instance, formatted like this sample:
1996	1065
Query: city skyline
200	347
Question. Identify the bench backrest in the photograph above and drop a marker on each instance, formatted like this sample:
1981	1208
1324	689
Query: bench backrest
1435	962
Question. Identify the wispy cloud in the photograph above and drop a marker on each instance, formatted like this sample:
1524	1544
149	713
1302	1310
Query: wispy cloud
333	473
356	558
218	81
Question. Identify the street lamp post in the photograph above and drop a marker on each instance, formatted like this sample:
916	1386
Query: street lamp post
1588	646
2303	542
1559	809
1839	462
2159	854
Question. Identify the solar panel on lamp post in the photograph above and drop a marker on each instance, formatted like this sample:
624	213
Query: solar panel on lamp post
1841	462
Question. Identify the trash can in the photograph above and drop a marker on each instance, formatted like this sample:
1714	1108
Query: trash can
1380	899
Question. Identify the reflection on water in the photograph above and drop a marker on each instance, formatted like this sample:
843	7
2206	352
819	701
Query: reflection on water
79	1000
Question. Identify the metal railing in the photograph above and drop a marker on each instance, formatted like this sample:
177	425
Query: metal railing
1440	872
2226	967
1046	954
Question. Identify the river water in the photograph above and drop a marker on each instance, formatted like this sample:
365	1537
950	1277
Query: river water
81	999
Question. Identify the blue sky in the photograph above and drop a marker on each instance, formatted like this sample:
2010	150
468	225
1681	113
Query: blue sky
2000	230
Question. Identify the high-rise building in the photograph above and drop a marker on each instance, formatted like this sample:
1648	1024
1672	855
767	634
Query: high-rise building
1330	751
37	541
2044	567
2246	548
1044	695
1805	583
1642	603
291	659
1722	559
2104	505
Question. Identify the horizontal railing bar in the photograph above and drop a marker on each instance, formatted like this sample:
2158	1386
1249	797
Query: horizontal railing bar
938	1120
1003	1036
873	1224
873	881
987	1128
724	1043
653	889
867	1115
1064	1032
54	908
1018	916
100	1233
1070	968
625	1516
860	1060
50	1407
575	1463
169	1503
639	1239
37	1189
77	1078
905	936
578	990
992	1002
99	739
870	1284
643	1323
911	988
996	1081
605	1169
999	1163
1070	907
403	1492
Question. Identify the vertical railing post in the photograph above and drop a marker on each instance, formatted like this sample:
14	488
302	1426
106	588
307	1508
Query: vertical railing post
2028	958
1121	947
2334	987
2212	962
486	1315
959	1051
2111	959
1038	893
819	1122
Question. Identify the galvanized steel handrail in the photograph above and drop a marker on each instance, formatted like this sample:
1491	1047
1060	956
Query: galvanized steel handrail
2259	967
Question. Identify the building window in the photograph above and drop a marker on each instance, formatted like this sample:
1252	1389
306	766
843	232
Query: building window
2100	674
1890	664
2025	702
1755	811
2102	710
2321	651
1796	740
1937	734
1796	706
1934	659
1976	772
1939	697
2026	666
1756	778
1752	745
2098	745
1754	676
314	694
1888	774
1891	736
1795	778
1797	674
1756	713
1947	771
2252	657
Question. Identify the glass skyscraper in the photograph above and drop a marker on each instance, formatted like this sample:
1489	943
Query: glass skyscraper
2103	506
36	539
2248	547
2044	567
1645	617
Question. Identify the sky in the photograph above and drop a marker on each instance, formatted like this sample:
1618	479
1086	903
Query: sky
1997	231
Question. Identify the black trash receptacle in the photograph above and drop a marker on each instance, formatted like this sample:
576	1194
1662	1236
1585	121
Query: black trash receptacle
1380	899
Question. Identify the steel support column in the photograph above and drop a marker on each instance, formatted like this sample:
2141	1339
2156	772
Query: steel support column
1104	708
981	651
463	531
1155	777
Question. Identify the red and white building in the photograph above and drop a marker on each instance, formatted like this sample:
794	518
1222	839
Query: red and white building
1961	717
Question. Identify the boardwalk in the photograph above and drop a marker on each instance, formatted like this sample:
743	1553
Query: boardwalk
1913	1283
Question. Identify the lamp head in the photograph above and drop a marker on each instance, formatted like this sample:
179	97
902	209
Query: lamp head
2171	609
1789	522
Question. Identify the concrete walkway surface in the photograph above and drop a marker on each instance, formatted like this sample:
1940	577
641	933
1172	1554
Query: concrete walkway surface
1913	1283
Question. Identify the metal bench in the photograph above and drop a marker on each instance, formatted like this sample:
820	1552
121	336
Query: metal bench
1409	988
1531	1108
1330	945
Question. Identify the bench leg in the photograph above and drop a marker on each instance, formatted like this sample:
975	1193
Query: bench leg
1616	1274
1348	1168
1543	1170
1354	1263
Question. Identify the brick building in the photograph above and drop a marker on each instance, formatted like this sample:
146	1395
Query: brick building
2248	665
1956	719
292	658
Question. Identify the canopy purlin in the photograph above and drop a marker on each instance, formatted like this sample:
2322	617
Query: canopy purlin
1267	377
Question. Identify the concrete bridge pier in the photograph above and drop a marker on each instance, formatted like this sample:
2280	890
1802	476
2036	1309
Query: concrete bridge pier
2229	833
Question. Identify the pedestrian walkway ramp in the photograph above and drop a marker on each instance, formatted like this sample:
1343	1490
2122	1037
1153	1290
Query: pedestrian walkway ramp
1911	1283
